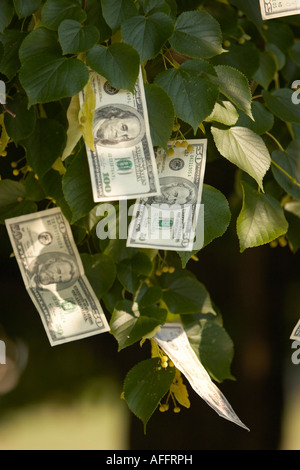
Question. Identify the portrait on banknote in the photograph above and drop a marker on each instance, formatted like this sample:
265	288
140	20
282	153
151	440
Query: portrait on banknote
118	125
58	270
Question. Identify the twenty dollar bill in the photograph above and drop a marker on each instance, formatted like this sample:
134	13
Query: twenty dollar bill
54	276
279	8
122	163
173	220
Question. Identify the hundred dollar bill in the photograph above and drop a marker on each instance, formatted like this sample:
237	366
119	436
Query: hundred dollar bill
296	332
279	8
174	341
54	277
172	220
122	165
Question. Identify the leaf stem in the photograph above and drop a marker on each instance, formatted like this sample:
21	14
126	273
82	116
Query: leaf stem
293	180
276	141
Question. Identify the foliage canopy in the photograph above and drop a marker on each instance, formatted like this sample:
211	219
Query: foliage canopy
211	66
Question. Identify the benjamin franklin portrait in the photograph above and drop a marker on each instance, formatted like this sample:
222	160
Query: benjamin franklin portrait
118	125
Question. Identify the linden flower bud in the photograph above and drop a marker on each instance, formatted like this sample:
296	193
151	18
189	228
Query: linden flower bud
177	143
16	172
184	144
171	151
190	148
176	127
158	272
227	43
164	407
14	164
165	269
176	409
171	269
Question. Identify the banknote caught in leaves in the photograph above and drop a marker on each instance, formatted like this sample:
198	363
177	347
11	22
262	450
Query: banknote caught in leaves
121	159
279	8
174	219
173	340
54	276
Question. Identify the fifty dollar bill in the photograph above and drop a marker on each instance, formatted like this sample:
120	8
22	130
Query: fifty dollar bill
279	8
54	276
122	165
172	220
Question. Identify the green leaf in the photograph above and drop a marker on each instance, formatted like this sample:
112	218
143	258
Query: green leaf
261	219
184	294
16	210
56	11
13	200
10	62
44	145
245	149
52	185
161	115
152	6
289	161
119	63
279	34
130	324
147	296
213	346
244	57
144	387
132	270
48	77
11	192
251	9
34	190
234	85
100	271
225	113
75	38
95	18
7	13
147	34
197	34
267	69
281	104
115	12
187	88
292	214
118	250
76	184
22	124
263	119
217	216
295	52
39	41
26	7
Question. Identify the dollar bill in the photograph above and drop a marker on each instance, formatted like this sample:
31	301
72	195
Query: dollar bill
54	276
174	341
122	165
279	8
172	220
296	332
